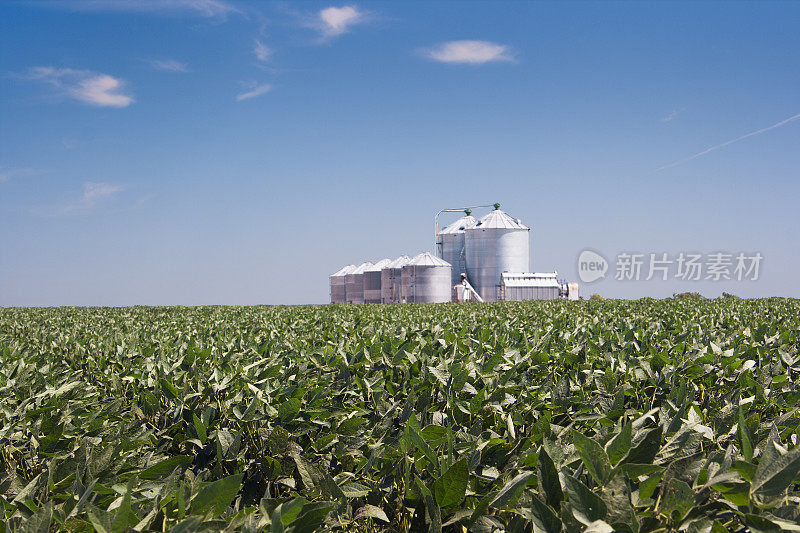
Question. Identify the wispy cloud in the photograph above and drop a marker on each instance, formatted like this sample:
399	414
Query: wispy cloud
671	116
263	52
204	8
169	65
90	87
335	21
726	143
9	173
469	52
94	194
257	90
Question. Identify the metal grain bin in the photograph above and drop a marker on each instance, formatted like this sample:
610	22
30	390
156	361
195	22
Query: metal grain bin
450	242
354	284
372	282
496	244
426	279
390	280
337	284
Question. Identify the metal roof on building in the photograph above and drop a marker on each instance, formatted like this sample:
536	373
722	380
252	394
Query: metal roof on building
428	259
377	267
343	271
498	219
530	279
459	225
399	262
361	268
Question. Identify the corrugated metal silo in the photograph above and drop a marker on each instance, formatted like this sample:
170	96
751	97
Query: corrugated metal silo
497	243
337	284
390	280
354	284
372	282
426	279
451	245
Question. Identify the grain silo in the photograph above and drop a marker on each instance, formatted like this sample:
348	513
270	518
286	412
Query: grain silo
354	284
425	279
338	284
372	282
497	243
450	243
390	280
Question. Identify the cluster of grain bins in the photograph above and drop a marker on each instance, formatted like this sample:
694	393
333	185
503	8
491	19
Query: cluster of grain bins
486	259
423	279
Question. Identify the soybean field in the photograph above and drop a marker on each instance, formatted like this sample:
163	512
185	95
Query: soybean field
633	416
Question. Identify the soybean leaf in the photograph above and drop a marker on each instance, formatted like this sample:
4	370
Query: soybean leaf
620	444
40	521
646	450
544	519
548	480
289	409
586	505
372	512
775	472
593	456
165	466
216	496
451	487
510	491
678	497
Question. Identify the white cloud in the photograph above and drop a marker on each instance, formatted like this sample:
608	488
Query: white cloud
258	90
94	193
169	65
91	87
671	116
262	51
333	21
471	52
8	173
203	8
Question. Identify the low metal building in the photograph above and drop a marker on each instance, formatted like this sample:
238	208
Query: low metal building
515	286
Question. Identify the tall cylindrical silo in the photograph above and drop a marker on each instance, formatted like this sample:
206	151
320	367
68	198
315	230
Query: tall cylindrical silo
354	284
338	284
426	279
497	243
372	282
390	280
451	245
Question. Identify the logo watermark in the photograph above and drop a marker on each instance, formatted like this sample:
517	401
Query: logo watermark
685	266
591	266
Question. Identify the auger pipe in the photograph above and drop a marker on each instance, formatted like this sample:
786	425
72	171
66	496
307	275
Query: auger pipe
452	210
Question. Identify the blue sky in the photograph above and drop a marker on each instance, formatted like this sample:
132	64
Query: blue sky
209	151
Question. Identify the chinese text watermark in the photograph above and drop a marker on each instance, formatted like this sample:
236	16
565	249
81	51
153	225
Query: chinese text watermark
685	266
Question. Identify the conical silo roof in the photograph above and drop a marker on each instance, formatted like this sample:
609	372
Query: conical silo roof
361	268
428	259
343	271
459	225
399	262
500	220
377	267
